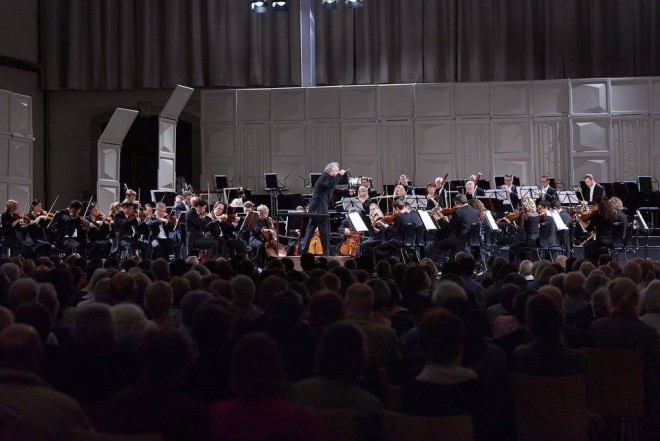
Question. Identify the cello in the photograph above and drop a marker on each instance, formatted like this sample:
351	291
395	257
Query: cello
351	245
271	246
315	247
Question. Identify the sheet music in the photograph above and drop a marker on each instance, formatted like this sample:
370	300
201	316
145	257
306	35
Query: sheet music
491	221
357	222
558	221
427	220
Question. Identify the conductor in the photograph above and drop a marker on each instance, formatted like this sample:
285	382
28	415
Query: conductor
323	189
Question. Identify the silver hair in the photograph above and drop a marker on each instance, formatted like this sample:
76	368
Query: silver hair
332	165
261	208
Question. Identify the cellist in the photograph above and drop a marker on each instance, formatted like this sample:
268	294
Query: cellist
262	227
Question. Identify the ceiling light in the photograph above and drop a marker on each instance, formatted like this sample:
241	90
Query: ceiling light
259	7
329	4
280	6
354	4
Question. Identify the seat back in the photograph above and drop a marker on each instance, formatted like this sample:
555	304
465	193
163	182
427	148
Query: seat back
400	427
88	435
337	424
474	235
616	382
618	235
550	408
410	236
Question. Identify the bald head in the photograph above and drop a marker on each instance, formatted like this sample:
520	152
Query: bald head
20	348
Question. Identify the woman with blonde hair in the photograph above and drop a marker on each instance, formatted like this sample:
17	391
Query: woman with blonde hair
529	223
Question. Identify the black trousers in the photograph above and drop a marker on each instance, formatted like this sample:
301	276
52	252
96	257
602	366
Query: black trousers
323	224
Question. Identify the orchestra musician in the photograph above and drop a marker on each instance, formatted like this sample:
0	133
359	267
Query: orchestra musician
431	198
125	221
377	229
400	192
529	223
12	227
440	191
35	237
472	191
547	226
319	204
69	227
366	182
602	220
404	217
592	192
547	192
263	226
196	229
457	228
98	240
363	197
161	227
563	235
186	202
405	182
513	198
228	226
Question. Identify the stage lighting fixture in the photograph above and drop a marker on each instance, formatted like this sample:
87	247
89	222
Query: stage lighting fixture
354	4
329	4
259	7
280	6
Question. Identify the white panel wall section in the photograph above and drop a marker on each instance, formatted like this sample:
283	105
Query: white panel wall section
167	122
563	128
16	144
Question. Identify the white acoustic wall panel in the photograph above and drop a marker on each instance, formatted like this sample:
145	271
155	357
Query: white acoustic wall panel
472	148
550	98
630	95
590	148
433	100
359	138
20	158
109	155
655	95
434	137
397	150
167	121
3	191
289	170
396	101
5	98
472	99
323	146
590	96
512	136
511	99
253	156
631	142
519	167
359	102
4	157
20	192
253	105
218	106
288	104
219	141
550	143
655	145
286	139
323	103
20	109
363	166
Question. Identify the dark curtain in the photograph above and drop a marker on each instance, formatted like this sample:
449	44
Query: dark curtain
136	44
396	41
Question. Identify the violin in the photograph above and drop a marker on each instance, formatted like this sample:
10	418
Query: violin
350	246
390	218
315	247
448	211
19	216
585	216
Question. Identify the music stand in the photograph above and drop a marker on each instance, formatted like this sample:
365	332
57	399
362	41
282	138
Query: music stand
492	203
492	224
220	182
351	203
427	220
559	222
356	221
388	189
166	197
313	177
530	191
417	202
567	198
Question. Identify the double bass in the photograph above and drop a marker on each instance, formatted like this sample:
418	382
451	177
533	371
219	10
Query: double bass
351	245
315	247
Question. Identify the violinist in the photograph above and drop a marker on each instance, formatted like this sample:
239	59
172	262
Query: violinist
610	211
404	217
196	229
440	191
98	237
185	204
400	192
263	228
453	234
125	222
35	230
161	227
70	228
377	229
528	223
547	227
131	196
548	193
227	226
12	227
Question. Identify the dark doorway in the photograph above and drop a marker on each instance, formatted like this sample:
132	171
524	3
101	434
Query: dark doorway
139	155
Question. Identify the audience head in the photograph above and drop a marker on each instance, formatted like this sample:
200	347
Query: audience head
441	336
20	348
130	325
256	370
544	318
359	300
158	299
123	289
164	356
651	297
342	352
623	296
23	291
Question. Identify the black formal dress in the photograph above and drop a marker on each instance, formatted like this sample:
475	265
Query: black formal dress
459	230
196	237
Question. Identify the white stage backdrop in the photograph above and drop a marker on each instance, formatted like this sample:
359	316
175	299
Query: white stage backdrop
564	128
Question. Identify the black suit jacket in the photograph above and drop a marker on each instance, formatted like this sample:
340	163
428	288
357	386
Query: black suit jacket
195	225
323	189
478	192
599	193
